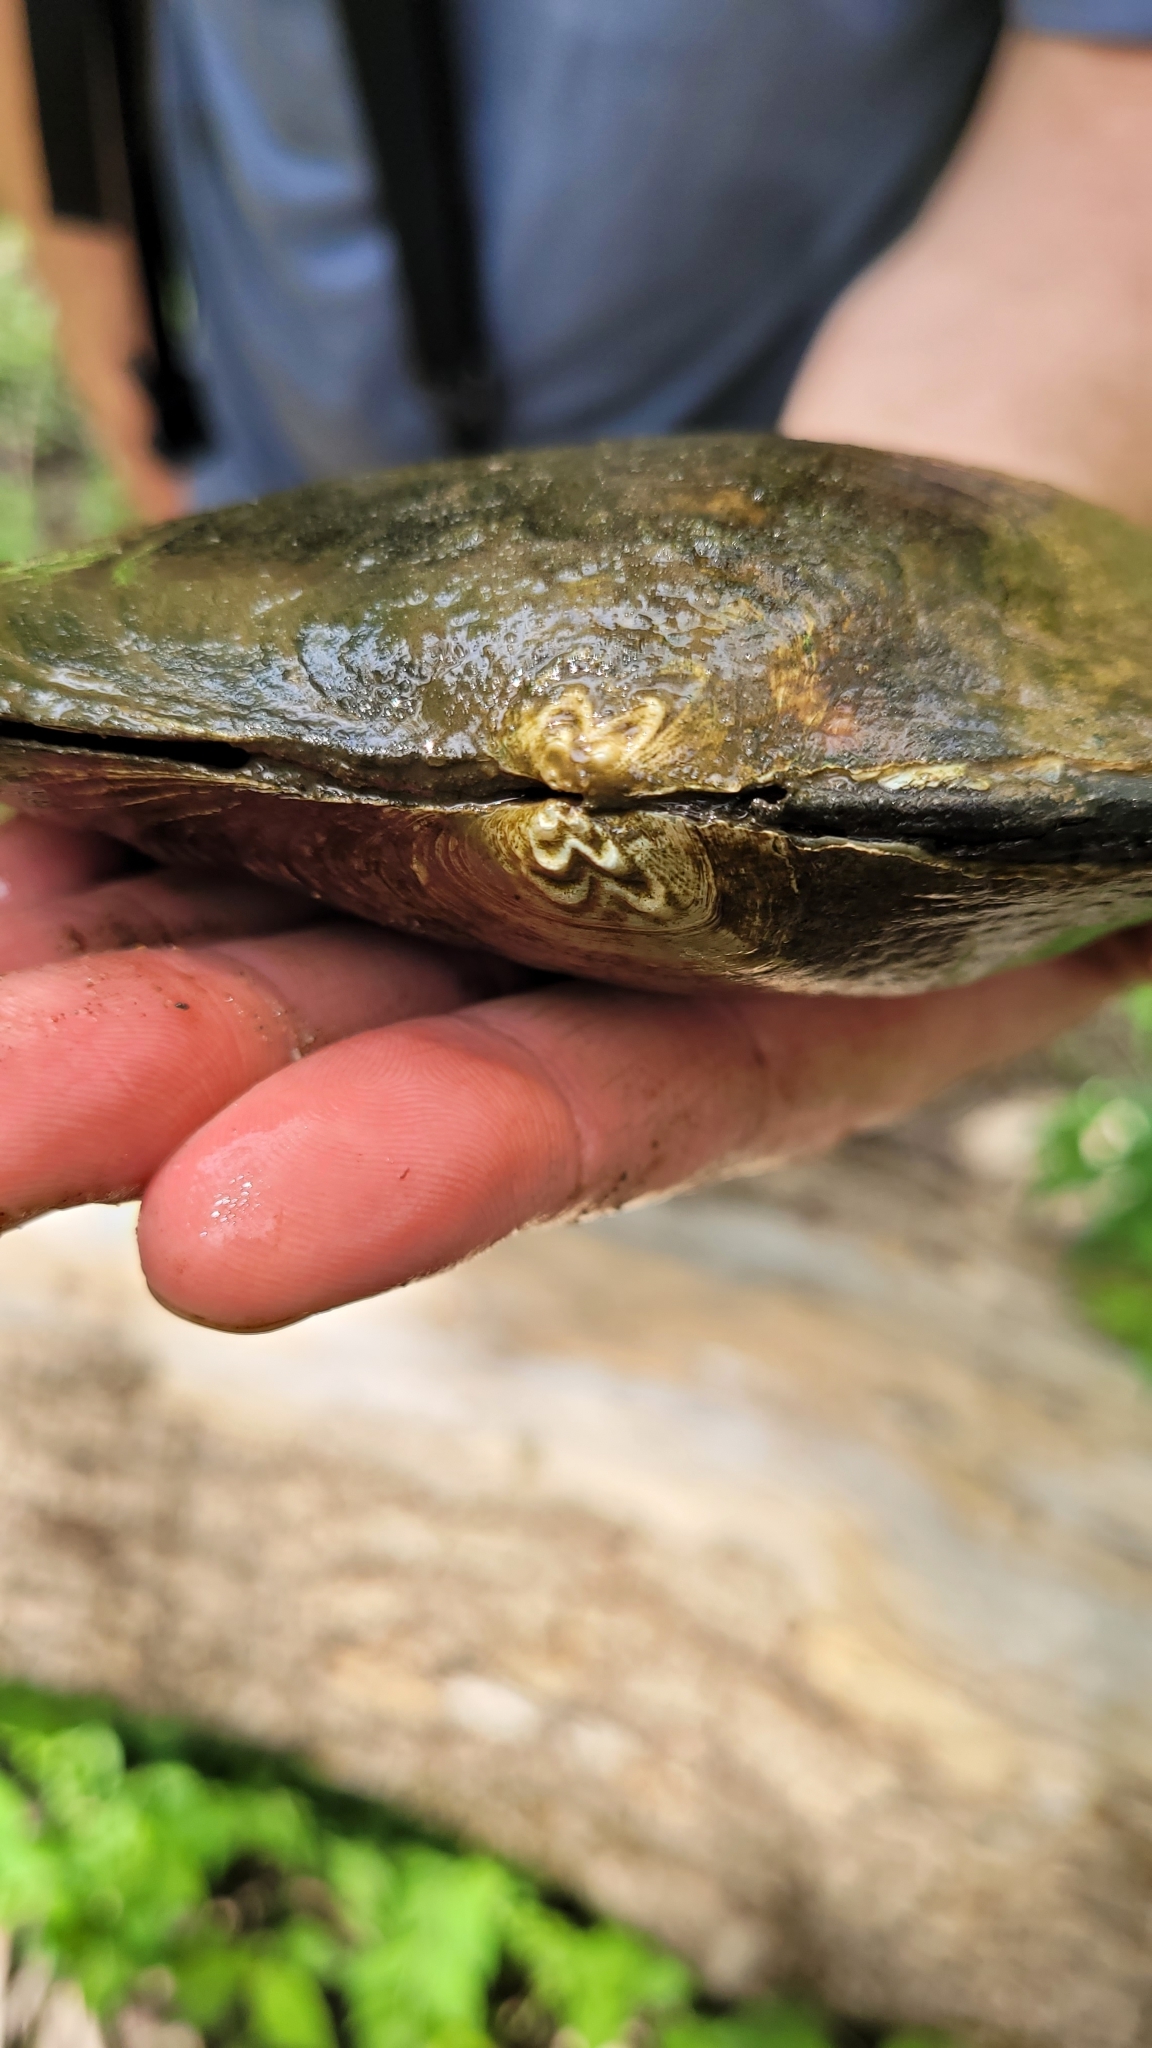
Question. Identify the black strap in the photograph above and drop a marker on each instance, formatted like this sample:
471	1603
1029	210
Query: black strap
402	55
79	118
91	61
181	430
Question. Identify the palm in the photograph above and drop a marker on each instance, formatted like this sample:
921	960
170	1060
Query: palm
151	1033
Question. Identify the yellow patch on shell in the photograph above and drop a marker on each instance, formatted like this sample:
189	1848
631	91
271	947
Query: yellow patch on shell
573	746
640	871
796	686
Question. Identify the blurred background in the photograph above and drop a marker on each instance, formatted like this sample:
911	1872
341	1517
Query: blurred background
54	492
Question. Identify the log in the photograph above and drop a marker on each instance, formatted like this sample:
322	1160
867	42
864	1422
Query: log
735	1563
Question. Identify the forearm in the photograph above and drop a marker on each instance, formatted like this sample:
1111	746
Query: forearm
1011	326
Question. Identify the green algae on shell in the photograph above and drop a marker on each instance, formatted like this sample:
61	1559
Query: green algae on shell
669	712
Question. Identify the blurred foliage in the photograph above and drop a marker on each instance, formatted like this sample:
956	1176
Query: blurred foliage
54	491
1096	1157
216	1885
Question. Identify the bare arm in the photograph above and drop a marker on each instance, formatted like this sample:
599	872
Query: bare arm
1011	326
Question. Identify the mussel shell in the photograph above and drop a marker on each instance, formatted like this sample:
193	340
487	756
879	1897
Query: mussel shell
699	709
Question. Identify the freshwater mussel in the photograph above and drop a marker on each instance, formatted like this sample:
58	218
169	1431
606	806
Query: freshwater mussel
665	712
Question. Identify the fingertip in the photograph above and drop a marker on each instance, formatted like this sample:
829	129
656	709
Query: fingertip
208	1322
376	1161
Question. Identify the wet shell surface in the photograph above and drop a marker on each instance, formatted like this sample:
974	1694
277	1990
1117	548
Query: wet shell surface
670	712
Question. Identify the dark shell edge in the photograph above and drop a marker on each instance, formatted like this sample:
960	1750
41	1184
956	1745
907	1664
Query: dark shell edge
664	897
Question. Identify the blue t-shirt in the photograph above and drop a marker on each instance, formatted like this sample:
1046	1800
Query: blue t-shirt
669	195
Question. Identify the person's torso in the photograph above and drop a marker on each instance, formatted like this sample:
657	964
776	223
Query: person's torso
668	195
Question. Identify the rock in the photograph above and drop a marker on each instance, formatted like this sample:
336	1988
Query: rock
762	1580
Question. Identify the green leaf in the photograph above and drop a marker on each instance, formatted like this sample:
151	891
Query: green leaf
1119	1301
104	1969
16	1818
443	1929
1100	1134
365	1881
286	2008
313	1946
22	1706
778	2024
278	1824
594	1979
209	1978
29	1869
71	1769
1099	1145
216	1823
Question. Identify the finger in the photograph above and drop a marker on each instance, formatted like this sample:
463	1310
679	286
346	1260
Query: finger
39	861
168	907
107	1064
419	1144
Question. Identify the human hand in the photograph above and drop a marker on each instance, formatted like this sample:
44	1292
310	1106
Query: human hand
153	1029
